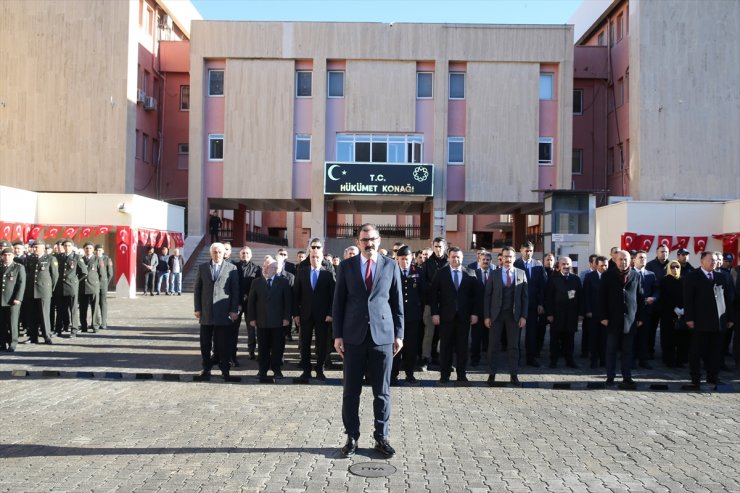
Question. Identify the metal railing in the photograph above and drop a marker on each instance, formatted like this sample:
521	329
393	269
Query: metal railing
386	231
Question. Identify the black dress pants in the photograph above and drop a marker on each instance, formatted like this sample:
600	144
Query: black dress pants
479	341
215	337
308	328
453	338
271	344
561	343
707	347
409	352
616	339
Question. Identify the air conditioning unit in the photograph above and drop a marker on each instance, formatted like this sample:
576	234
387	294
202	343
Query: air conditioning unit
150	103
140	96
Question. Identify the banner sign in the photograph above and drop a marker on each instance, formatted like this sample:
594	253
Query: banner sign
378	179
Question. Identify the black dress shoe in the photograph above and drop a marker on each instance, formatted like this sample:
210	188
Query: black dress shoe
252	356
444	380
411	379
385	448
644	365
609	381
715	382
320	375
628	384
205	375
350	447
278	374
235	363
462	378
395	382
47	340
491	380
515	380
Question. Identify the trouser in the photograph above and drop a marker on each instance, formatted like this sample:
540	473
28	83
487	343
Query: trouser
149	278
652	331
615	340
453	339
596	341
53	310
561	343
585	339
175	282
233	339
644	348
707	347
88	301
163	277
409	352
479	341
40	324
215	337
308	328
68	315
9	318
504	323
668	340
531	345
375	361
541	332
101	317
431	336
271	342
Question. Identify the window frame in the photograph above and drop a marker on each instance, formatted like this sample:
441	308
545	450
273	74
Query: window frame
580	162
551	142
328	83
297	85
456	140
180	151
145	147
431	77
185	97
211	139
551	76
449	95
410	142
302	138
580	98
223	83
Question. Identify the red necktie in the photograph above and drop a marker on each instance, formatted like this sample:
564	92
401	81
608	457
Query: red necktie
508	278
485	277
369	275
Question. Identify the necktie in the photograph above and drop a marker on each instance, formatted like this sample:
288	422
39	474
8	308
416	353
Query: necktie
455	279
710	276
508	278
269	283
485	277
314	277
369	275
405	273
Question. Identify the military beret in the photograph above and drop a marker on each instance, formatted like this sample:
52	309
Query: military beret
87	244
403	251
7	250
39	242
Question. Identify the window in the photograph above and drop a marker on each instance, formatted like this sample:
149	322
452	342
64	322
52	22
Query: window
184	98
577	101
303	84
182	156
612	32
183	148
155	152
144	148
144	81
546	92
570	214
455	150
216	82
379	148
620	27
602	39
610	160
148	20
424	85
215	147
545	150
610	98
577	161
137	152
336	85
620	91
302	147
457	85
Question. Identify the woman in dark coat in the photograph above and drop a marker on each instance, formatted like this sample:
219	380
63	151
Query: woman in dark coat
674	337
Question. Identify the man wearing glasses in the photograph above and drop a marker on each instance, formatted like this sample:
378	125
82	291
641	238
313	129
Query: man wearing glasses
368	331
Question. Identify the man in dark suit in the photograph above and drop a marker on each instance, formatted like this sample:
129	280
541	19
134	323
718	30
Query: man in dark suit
412	280
216	299
368	331
71	271
650	290
269	306
657	266
564	309
90	287
478	331
707	311
453	297
313	293
285	265
433	263
150	262
13	278
622	308
592	307
505	308
42	274
248	271
536	280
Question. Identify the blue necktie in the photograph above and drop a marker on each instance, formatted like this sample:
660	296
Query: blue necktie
314	277
455	279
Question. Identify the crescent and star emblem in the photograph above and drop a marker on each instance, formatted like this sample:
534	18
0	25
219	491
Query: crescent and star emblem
329	171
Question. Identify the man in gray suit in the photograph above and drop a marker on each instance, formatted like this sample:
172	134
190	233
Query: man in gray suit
505	309
216	299
368	331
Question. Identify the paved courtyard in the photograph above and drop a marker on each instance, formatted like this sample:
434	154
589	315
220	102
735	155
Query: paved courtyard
119	411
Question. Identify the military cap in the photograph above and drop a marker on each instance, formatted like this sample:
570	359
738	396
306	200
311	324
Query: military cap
683	251
5	244
728	257
87	244
98	246
7	250
403	251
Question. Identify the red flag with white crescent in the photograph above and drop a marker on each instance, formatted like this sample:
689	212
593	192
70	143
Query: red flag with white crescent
6	229
102	230
144	236
645	242
86	231
35	231
153	235
70	231
18	232
52	232
666	241
628	239
681	242
700	243
160	241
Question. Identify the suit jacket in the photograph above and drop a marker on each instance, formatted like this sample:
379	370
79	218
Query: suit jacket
13	283
355	311
216	299
591	287
559	305
536	282
494	295
288	276
482	290
95	266
650	289
450	303
72	269
700	304
269	306
414	287
42	274
248	272
621	303
313	303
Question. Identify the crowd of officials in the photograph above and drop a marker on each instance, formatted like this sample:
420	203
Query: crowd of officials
51	289
455	313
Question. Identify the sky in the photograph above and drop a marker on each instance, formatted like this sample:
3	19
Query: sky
435	11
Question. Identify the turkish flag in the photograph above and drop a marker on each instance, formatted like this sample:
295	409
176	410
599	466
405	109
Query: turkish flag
153	234
144	236
70	231
681	242
6	229
35	231
86	231
700	243
177	237
102	230
666	241
52	231
18	232
628	239
645	242
160	241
